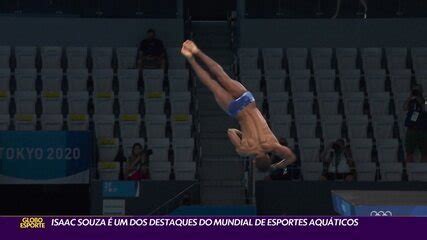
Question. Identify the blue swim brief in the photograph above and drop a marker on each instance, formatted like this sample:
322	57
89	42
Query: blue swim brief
240	103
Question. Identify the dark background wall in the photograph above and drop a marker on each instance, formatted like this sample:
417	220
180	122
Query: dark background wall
333	33
314	198
152	195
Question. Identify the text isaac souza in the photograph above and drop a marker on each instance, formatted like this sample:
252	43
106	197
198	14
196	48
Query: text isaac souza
194	222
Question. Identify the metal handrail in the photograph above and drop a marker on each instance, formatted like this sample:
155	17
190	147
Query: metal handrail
157	210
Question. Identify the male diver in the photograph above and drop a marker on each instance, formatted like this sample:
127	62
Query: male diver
255	138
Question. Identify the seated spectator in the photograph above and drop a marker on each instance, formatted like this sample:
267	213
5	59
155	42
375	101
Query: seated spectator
278	172
416	123
337	162
152	51
138	163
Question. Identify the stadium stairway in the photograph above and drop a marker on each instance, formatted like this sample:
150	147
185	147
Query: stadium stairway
221	169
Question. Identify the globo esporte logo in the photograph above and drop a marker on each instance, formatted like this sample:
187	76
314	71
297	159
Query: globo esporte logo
32	222
381	213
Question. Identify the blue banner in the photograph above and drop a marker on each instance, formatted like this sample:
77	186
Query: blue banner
51	157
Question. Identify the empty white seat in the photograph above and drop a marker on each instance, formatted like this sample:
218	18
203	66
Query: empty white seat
155	126
77	102
272	58
311	171
181	126
128	143
383	126
25	102
5	52
325	80
128	80
346	58
366	171
160	170
331	126
401	80
421	77
357	126
183	149
309	150
275	81
417	171
25	122
51	102
130	125
4	122
51	57
278	103
25	57
101	57
76	57
391	172
103	102
419	58
303	103
104	126
371	58
153	80
350	80
375	80
251	79
52	79
281	125
248	58
354	103
126	57
5	79
154	103
77	80
102	80
160	148
306	126
175	60
185	170
361	150
396	58
26	79
300	80
107	149
4	102
109	171
178	80
297	58
129	102
328	103
51	122
387	150
77	122
180	102
321	58
379	103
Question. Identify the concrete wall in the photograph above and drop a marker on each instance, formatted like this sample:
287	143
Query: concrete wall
333	33
39	31
314	198
152	195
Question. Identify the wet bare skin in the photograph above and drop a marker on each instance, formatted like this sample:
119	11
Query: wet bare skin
256	136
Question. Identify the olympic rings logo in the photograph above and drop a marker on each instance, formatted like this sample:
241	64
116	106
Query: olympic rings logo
380	214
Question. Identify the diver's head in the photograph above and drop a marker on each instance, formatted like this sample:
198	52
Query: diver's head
262	162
